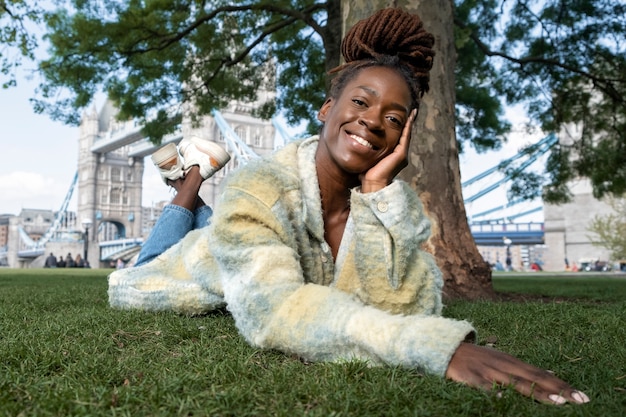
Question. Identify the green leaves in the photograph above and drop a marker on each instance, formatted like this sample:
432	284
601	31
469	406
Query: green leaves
150	57
565	61
609	230
16	40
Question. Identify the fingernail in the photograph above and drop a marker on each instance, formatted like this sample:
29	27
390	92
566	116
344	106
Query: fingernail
557	399
580	397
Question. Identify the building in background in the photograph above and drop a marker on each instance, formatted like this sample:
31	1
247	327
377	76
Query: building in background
566	229
567	234
110	166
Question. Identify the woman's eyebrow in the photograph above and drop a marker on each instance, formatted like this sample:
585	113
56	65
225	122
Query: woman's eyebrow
375	93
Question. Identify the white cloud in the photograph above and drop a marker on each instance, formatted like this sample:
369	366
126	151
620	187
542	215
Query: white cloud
21	189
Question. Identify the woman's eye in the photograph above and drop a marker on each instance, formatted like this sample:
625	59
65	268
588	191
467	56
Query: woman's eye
395	120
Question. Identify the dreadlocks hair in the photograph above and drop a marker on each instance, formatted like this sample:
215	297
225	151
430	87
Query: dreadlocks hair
391	38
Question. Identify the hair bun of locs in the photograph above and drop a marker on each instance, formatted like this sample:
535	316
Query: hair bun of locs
394	32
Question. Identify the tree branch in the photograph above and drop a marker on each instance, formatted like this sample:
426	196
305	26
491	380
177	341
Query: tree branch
304	15
604	84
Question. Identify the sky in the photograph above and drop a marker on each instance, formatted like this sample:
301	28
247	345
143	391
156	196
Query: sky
39	158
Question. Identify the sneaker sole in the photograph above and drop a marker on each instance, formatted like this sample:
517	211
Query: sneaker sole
219	157
165	154
166	159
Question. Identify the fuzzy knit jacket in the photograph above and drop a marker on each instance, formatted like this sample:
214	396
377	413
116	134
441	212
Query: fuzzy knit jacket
265	257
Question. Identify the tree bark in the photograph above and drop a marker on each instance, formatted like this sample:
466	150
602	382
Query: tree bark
434	170
332	36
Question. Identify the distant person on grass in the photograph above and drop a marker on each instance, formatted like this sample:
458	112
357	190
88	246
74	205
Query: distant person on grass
79	262
315	250
69	261
51	261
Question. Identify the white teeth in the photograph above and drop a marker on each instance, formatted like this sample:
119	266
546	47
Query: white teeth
361	141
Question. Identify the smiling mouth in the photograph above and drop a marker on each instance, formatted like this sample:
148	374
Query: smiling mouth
362	141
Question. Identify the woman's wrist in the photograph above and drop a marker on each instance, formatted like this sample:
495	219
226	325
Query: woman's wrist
372	186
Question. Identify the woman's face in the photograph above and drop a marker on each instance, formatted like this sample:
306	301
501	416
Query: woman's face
364	124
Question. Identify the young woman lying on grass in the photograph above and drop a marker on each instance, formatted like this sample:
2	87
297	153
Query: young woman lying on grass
315	249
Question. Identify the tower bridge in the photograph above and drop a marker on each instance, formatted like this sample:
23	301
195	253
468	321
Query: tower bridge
494	218
110	218
496	234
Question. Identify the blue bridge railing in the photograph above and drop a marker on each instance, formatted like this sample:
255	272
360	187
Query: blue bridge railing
489	234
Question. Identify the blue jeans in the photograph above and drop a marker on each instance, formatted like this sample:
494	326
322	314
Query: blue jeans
173	224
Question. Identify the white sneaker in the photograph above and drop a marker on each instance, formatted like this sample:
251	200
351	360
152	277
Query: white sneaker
209	156
168	162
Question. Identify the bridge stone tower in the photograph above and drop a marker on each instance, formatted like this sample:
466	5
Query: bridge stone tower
566	225
109	183
111	165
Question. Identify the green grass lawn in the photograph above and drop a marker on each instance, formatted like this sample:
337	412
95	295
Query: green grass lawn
64	352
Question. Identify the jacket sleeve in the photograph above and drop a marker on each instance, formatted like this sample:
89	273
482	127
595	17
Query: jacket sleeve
273	307
388	230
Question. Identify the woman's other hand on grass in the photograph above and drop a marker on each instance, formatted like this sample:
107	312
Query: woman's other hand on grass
488	368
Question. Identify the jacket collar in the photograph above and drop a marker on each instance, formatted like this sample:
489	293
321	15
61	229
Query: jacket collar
312	203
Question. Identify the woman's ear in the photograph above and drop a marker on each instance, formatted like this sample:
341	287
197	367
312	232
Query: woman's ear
321	115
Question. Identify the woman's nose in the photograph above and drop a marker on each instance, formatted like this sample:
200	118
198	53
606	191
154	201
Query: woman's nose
371	118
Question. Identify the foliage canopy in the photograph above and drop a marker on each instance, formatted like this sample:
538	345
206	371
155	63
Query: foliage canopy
152	58
16	40
564	61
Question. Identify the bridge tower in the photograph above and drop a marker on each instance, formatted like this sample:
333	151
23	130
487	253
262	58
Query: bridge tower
109	183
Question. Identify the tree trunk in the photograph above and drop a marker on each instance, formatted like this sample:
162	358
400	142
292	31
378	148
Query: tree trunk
433	169
332	36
